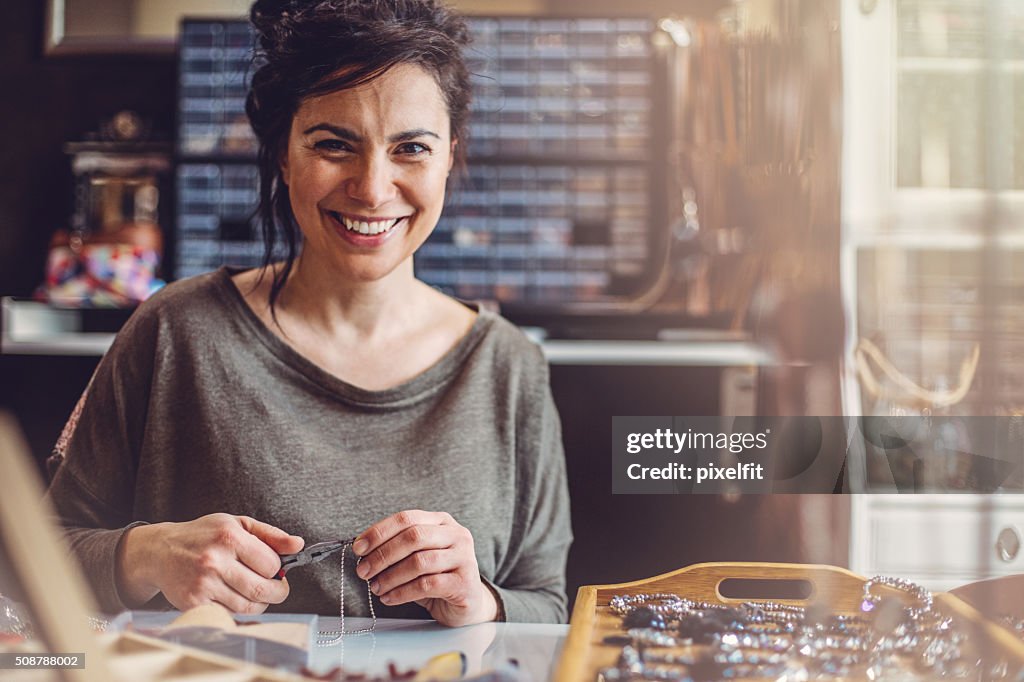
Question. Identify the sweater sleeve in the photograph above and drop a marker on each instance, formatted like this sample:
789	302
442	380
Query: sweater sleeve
532	586
93	488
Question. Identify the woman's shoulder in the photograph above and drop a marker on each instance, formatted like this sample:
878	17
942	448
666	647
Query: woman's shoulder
190	304
197	295
505	334
509	349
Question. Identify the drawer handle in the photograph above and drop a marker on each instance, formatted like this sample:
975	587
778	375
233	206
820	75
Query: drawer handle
1008	543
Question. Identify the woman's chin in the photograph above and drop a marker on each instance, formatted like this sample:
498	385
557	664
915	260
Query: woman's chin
371	270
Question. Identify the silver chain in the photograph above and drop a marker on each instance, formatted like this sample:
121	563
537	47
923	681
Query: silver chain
922	606
328	637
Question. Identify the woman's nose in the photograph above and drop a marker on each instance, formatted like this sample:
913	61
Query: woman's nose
373	183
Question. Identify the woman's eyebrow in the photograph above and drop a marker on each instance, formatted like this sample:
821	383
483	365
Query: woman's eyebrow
343	133
412	135
346	134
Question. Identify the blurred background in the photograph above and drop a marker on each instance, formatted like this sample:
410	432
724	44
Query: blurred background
699	207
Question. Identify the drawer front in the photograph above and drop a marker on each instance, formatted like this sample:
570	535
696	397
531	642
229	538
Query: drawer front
967	543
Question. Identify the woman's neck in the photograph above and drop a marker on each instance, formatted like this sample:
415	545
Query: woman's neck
358	310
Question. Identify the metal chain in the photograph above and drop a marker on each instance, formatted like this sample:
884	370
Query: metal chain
328	637
919	610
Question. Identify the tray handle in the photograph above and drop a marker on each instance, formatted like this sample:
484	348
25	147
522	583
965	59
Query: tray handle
837	586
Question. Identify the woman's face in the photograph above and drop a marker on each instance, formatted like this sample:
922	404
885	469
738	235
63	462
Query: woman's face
366	170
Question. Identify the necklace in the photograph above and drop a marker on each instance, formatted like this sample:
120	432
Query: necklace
329	637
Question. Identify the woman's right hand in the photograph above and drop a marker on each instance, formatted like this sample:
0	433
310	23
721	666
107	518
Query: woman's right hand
219	558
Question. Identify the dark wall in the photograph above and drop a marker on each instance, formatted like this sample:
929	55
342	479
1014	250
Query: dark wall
45	102
619	538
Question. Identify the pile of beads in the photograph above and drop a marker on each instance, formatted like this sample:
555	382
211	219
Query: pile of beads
891	638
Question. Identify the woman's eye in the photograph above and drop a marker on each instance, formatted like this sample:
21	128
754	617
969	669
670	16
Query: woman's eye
331	146
413	149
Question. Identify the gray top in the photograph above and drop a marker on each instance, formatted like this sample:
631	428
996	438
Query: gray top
199	408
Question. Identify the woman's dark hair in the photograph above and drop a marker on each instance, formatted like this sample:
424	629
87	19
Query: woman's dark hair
307	48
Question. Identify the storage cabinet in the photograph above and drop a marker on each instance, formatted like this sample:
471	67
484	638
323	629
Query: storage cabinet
933	262
940	541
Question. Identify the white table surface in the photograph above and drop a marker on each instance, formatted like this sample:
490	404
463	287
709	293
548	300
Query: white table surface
410	643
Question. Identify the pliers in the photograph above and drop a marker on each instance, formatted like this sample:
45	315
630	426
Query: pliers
310	555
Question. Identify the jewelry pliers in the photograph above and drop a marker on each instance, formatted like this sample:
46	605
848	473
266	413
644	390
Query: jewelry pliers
310	555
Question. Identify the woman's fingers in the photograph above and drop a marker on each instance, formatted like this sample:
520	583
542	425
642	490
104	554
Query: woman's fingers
450	587
385	529
253	549
427	558
278	540
222	558
426	562
237	603
253	587
408	542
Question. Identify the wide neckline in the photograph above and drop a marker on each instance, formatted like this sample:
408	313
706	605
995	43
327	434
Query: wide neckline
411	390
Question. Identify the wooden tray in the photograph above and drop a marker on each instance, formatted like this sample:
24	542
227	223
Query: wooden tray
585	653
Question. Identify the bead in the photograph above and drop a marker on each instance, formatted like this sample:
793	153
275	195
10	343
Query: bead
707	669
645	617
691	626
724	617
652	637
617	640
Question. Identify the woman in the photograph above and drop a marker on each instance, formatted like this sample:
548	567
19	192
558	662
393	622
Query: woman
332	395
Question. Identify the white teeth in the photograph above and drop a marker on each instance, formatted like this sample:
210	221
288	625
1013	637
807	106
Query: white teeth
364	227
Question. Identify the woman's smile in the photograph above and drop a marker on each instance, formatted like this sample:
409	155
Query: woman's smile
365	230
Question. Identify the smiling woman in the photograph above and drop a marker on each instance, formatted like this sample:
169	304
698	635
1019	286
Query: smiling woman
332	394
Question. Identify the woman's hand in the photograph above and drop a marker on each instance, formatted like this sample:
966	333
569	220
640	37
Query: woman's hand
427	558
216	558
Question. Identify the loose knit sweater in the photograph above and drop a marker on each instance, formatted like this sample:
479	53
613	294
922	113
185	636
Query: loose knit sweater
199	408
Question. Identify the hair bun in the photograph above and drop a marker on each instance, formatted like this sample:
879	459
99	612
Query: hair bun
267	15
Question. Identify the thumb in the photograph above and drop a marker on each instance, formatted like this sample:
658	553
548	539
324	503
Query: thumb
275	538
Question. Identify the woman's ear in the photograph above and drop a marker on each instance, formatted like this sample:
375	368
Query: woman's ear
451	154
283	167
282	163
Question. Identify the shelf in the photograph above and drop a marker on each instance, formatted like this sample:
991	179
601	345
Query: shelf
657	353
921	240
32	328
70	343
957	65
917	218
624	353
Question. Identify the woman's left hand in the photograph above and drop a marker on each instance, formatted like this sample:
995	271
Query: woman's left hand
427	558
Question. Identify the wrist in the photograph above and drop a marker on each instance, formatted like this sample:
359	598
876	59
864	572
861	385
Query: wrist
493	607
134	565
